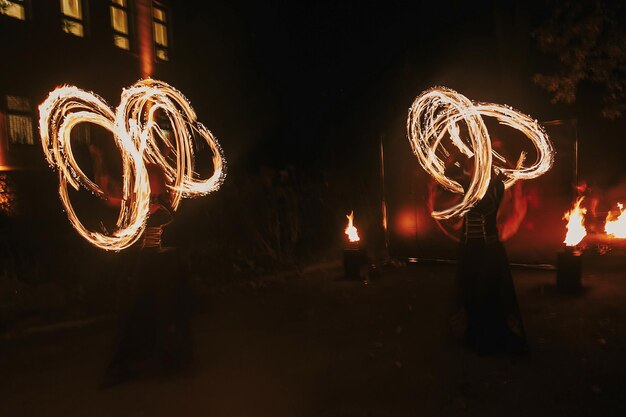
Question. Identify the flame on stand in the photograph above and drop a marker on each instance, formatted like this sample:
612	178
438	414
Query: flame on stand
351	231
616	227
575	228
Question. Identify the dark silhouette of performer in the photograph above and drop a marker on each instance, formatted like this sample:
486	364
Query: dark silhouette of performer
156	332
494	323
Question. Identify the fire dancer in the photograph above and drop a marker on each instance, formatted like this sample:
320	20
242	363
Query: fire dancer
494	323
156	330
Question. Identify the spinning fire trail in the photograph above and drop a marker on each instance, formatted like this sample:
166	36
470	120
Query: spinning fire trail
438	111
139	139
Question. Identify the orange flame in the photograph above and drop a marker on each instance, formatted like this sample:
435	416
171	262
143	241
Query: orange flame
575	228
353	234
616	227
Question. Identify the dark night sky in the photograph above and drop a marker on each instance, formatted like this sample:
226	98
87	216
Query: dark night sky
313	79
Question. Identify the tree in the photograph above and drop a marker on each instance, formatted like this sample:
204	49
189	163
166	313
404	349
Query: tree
589	39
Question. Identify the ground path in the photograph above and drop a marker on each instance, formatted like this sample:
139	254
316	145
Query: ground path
318	346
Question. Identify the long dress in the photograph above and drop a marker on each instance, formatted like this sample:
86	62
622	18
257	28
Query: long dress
156	327
494	323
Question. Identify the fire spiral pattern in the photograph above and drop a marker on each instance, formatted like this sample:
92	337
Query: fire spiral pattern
137	135
436	114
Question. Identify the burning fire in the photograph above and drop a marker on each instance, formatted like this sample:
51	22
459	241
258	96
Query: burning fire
351	231
436	113
575	224
138	137
616	227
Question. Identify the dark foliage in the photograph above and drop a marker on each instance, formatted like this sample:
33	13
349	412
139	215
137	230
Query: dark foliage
589	39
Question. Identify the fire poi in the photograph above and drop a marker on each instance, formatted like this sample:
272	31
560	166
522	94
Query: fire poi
137	135
437	112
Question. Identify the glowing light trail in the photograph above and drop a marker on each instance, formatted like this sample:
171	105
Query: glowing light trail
436	113
139	139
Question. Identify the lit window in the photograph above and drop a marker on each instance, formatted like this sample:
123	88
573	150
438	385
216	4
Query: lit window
13	8
72	20
19	120
160	33
119	24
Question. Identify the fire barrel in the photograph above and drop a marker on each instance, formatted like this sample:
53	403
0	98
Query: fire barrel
569	270
355	263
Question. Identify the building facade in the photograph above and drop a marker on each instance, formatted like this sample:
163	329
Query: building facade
98	45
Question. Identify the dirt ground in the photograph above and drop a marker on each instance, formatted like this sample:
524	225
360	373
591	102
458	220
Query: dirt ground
316	345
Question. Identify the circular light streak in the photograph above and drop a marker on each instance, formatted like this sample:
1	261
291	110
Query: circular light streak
137	135
436	114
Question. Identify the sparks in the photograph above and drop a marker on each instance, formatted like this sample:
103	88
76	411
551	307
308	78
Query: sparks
616	227
138	137
575	224
351	231
436	113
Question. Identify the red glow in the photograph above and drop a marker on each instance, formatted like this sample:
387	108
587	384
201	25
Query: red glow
406	221
144	36
511	215
512	211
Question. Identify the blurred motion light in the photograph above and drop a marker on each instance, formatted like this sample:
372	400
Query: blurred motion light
436	114
139	139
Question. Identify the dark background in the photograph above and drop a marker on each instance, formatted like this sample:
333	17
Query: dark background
329	81
300	95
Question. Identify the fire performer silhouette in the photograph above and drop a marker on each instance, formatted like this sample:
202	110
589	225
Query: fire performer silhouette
156	330
155	130
494	323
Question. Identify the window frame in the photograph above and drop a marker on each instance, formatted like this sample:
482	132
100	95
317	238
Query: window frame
71	20
25	4
167	23
129	36
20	113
